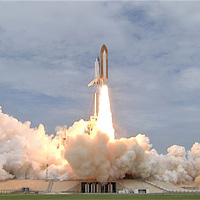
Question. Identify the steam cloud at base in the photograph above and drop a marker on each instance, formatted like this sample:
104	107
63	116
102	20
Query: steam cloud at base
25	152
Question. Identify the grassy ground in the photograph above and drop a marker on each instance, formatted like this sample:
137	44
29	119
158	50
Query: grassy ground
98	197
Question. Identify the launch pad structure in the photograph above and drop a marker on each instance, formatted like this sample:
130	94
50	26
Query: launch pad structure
100	78
93	118
124	186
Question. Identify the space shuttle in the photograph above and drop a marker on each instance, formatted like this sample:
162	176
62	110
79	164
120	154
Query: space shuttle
100	78
101	68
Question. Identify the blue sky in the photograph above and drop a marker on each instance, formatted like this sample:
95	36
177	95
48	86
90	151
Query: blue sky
47	54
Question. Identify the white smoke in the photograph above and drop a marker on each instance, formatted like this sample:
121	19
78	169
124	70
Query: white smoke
72	153
25	152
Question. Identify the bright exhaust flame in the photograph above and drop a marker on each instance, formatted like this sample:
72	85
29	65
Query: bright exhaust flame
104	122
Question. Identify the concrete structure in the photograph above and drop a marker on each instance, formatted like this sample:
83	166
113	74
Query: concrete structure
10	186
65	186
96	187
125	186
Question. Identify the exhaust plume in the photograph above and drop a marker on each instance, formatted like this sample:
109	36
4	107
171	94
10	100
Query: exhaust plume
104	122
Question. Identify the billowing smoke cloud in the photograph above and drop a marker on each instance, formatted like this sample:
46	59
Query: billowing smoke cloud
25	152
72	153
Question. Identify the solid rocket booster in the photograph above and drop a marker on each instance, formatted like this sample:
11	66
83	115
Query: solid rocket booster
101	74
104	64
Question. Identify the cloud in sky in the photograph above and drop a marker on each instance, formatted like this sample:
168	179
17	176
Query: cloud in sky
47	51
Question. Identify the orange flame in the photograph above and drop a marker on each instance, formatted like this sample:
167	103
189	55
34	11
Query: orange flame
104	122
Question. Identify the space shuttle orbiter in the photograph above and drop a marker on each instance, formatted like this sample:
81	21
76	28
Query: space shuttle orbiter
101	73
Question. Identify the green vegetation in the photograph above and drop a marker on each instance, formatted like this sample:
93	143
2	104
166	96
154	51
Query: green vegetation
98	197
